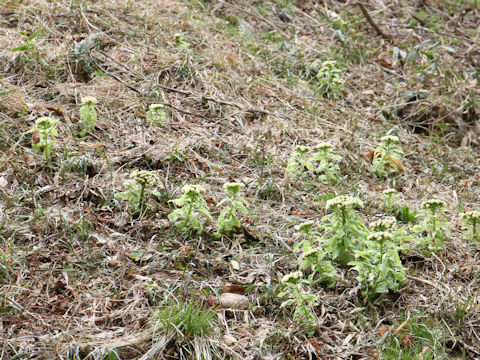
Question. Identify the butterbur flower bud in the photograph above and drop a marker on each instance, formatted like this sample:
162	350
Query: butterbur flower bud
292	277
389	191
196	189
344	201
233	188
384	224
302	149
389	138
304	227
380	236
323	146
89	100
154	107
144	177
433	204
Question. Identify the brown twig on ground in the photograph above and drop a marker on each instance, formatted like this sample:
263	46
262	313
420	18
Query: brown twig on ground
372	23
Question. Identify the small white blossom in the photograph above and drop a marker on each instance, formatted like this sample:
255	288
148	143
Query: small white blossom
302	149
389	191
433	204
148	178
380	236
193	188
306	226
344	201
324	146
384	224
292	277
309	252
89	100
389	138
473	216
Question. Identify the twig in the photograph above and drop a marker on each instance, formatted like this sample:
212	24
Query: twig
372	23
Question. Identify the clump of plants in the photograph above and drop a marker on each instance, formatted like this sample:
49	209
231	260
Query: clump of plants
190	206
45	128
187	326
434	225
344	229
330	83
156	114
299	161
314	257
88	115
296	292
387	155
471	220
327	168
379	266
390	200
140	188
227	222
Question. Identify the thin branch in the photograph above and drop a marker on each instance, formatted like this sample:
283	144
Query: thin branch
372	23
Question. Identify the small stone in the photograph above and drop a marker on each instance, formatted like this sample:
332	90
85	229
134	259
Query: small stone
234	301
229	339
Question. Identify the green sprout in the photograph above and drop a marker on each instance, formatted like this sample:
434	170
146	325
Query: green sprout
330	81
299	161
44	126
313	256
379	266
327	168
228	222
433	224
180	42
88	115
343	227
390	200
472	219
386	156
191	205
156	114
294	289
139	189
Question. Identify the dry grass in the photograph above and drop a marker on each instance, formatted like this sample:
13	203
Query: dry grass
75	266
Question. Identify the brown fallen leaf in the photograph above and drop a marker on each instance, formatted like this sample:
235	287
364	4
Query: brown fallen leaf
383	329
394	163
236	289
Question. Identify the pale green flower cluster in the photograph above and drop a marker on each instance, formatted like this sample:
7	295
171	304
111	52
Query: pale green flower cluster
380	236
324	146
302	149
304	227
389	138
89	100
433	204
389	191
144	177
232	188
193	189
471	216
292	277
156	106
384	224
344	201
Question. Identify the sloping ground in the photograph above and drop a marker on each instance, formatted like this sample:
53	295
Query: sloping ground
82	277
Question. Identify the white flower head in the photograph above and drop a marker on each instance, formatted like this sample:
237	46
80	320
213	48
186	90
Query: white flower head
309	252
384	224
324	146
471	216
147	178
344	201
433	204
197	189
302	149
304	227
154	107
45	122
380	236
389	191
292	277
232	188
389	138
89	100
